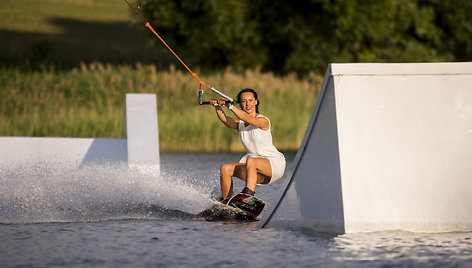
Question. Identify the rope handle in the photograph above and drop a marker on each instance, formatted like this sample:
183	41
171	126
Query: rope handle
148	25
175	54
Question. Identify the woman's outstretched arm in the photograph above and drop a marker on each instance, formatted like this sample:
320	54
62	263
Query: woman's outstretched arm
228	121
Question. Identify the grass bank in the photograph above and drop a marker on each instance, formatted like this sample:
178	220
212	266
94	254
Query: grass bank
87	101
67	32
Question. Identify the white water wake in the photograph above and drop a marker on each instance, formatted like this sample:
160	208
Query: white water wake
42	192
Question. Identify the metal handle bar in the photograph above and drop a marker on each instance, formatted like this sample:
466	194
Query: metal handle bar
200	96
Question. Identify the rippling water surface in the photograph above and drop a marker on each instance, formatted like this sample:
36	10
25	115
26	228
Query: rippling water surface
111	217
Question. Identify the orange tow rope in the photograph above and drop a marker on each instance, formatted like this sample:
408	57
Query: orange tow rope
147	24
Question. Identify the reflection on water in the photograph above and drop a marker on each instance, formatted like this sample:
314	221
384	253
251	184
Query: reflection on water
401	246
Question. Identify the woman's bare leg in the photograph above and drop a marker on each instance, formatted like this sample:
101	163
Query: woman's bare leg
256	169
252	172
227	171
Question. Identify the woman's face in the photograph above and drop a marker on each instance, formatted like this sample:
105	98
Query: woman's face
248	102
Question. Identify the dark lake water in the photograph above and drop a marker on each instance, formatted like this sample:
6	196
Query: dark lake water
109	216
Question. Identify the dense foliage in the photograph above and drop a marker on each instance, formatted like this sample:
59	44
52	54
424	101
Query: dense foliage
305	35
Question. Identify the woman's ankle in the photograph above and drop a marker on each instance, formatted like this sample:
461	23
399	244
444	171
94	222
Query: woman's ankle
248	191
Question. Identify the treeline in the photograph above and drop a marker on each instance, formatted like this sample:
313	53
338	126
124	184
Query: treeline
305	35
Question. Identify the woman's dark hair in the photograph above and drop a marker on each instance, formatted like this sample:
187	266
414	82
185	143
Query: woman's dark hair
238	99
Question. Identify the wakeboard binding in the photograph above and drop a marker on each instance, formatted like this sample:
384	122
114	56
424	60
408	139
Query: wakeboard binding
241	206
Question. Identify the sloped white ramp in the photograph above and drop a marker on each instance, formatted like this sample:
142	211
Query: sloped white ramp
388	147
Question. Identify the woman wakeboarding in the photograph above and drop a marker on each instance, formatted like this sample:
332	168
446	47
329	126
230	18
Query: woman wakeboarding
263	163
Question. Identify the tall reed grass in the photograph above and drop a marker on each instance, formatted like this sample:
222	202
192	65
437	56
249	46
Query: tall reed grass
87	101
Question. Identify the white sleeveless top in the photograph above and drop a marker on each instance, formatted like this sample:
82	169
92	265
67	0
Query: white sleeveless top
258	143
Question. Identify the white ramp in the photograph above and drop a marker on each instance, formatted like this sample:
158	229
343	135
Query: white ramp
388	147
138	148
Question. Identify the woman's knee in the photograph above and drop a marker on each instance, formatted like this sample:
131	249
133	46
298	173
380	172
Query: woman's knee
227	169
251	163
261	165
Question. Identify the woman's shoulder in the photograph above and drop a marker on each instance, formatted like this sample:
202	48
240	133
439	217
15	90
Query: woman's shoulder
263	116
260	115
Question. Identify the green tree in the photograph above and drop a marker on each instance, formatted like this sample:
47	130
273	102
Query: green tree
455	20
305	35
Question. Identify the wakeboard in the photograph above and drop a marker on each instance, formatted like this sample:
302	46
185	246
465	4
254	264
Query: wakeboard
241	207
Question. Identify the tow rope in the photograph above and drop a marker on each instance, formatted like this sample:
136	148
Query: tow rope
148	25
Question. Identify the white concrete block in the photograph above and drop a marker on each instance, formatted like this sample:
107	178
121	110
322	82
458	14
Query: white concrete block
142	130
